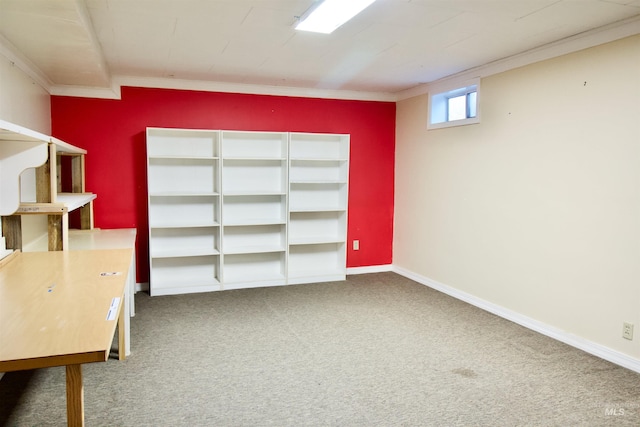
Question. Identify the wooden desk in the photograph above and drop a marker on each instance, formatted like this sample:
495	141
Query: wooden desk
59	309
121	238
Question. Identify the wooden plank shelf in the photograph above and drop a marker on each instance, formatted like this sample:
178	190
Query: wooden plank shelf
42	208
73	201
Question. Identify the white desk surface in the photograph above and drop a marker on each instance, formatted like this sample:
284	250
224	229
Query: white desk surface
121	238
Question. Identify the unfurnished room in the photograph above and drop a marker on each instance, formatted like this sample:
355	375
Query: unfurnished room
319	212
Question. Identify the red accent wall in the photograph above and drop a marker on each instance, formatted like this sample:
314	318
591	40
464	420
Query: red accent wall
113	133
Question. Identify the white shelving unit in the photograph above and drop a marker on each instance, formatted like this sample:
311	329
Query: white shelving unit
254	182
235	209
318	194
22	148
183	175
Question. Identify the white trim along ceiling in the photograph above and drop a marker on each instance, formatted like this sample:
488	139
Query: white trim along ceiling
393	50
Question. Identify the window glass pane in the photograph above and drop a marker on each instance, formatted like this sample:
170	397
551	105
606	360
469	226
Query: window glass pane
457	108
454	107
473	96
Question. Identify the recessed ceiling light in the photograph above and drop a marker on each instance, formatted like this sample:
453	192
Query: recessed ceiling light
330	14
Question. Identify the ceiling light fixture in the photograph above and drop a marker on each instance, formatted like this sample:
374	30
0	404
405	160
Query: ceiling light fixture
327	15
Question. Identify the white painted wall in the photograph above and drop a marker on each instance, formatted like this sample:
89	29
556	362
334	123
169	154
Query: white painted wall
22	100
536	210
26	103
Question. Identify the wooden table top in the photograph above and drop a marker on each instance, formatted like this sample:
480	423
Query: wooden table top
56	308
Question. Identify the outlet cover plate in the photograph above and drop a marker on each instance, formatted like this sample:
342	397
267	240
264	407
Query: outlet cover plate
627	330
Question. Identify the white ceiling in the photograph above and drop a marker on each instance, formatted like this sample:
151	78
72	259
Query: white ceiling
392	46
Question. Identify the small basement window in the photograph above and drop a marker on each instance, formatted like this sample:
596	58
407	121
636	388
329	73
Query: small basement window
454	107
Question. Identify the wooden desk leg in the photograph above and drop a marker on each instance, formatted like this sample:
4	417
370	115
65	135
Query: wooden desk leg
55	232
75	396
121	332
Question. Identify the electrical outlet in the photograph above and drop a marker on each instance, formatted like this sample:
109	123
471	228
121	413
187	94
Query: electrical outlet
356	245
627	330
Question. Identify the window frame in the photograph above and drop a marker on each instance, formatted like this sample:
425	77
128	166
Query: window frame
439	96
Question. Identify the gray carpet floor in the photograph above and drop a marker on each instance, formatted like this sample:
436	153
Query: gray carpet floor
375	350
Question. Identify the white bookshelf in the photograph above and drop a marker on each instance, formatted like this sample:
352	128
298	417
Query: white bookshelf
318	194
183	176
254	220
236	209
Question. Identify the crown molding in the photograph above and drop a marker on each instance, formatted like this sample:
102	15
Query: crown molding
114	92
210	86
601	35
13	55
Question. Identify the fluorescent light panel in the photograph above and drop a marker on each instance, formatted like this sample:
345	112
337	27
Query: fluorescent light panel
331	14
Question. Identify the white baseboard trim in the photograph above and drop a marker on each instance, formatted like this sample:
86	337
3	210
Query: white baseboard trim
590	347
143	286
370	269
